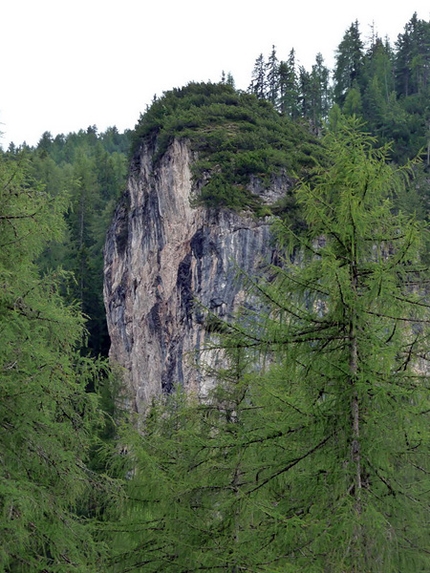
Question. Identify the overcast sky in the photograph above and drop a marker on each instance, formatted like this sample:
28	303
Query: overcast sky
66	64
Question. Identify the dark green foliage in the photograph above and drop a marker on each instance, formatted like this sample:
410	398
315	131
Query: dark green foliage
236	136
388	87
292	90
288	100
258	85
349	63
413	58
272	75
90	169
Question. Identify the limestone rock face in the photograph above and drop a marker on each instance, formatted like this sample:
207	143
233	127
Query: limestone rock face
165	261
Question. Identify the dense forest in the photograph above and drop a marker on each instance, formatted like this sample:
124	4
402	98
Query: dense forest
312	453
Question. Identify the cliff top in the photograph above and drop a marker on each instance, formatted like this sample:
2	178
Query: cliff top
236	136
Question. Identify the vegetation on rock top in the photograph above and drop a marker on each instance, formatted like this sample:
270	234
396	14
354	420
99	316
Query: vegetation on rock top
236	135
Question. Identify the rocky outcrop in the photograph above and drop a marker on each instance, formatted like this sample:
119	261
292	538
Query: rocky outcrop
167	260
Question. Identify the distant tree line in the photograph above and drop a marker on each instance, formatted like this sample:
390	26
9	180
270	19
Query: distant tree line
386	85
90	169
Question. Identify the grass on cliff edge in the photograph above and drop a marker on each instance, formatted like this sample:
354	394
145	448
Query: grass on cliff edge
236	135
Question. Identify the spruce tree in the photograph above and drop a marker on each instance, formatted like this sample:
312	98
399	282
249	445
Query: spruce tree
258	84
272	78
288	87
413	58
349	63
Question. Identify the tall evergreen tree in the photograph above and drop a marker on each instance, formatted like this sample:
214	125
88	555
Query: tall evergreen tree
272	78
321	91
288	87
413	57
349	63
46	417
305	90
378	86
258	81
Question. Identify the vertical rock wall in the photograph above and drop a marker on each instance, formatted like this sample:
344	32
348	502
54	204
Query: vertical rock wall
165	258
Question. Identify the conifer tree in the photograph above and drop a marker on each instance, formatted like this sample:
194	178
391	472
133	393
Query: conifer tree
317	458
272	78
321	92
345	486
288	87
349	63
413	58
305	89
258	84
46	416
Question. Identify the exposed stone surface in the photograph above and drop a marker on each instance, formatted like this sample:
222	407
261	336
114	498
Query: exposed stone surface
163	259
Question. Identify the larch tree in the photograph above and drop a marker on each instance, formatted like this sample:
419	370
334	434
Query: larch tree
347	480
313	453
47	420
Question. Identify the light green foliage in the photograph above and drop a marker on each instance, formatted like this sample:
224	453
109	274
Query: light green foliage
353	334
47	420
318	461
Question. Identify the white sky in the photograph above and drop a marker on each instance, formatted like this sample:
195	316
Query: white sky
67	65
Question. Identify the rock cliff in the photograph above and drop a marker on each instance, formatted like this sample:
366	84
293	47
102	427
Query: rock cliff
166	260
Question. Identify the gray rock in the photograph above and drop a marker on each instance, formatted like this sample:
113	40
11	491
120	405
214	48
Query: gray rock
165	262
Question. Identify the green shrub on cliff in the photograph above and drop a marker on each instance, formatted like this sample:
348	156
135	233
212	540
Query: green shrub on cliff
236	137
